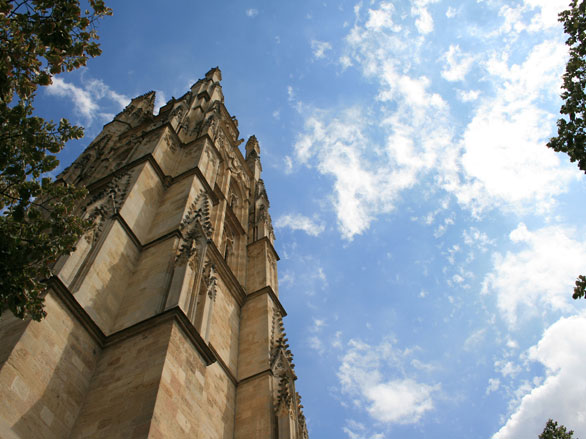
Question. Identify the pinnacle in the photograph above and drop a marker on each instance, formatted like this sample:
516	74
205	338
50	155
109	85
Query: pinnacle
214	71
148	96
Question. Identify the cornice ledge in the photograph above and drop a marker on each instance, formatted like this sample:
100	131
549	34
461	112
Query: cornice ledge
175	314
268	371
73	306
189	330
268	290
271	246
223	365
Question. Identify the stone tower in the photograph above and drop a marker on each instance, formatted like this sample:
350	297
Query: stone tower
166	321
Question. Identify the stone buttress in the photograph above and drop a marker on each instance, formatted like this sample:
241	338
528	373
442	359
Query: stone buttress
165	321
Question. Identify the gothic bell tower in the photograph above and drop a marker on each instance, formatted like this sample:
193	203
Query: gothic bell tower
165	322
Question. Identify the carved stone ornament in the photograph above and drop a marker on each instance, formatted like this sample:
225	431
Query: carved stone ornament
261	192
210	280
211	156
177	111
87	162
106	203
170	141
222	143
301	423
196	229
233	162
210	123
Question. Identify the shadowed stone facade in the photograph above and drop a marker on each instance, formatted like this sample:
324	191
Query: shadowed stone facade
165	322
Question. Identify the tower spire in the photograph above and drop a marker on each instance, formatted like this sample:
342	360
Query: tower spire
166	320
140	109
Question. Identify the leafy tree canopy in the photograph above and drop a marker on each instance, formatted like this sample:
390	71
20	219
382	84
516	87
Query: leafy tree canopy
553	431
38	220
572	127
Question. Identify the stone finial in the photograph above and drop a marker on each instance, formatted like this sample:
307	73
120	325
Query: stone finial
253	157
214	74
195	229
252	147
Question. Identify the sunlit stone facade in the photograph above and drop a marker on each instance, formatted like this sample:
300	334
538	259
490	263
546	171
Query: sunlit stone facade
165	322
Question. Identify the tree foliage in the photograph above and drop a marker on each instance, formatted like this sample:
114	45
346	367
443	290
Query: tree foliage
38	216
572	128
553	431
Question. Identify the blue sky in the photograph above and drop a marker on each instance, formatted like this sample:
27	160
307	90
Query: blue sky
429	240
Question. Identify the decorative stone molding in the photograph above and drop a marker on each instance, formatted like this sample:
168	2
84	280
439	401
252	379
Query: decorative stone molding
107	203
210	280
283	404
87	163
170	141
196	228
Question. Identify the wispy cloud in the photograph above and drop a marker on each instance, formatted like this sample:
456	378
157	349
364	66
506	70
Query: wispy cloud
296	221
340	148
510	166
424	20
251	12
457	64
497	159
90	98
320	48
365	373
160	100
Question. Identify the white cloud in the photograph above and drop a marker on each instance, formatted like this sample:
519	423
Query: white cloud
504	160
402	401
507	368
160	100
497	160
290	94
316	344
99	90
493	385
560	396
346	62
369	175
286	279
475	339
82	99
544	15
537	276
251	12
477	239
468	95
547	15
451	12
315	339
320	48
90	98
423	21
288	164
340	148
363	374
296	221
357	430
457	64
382	18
